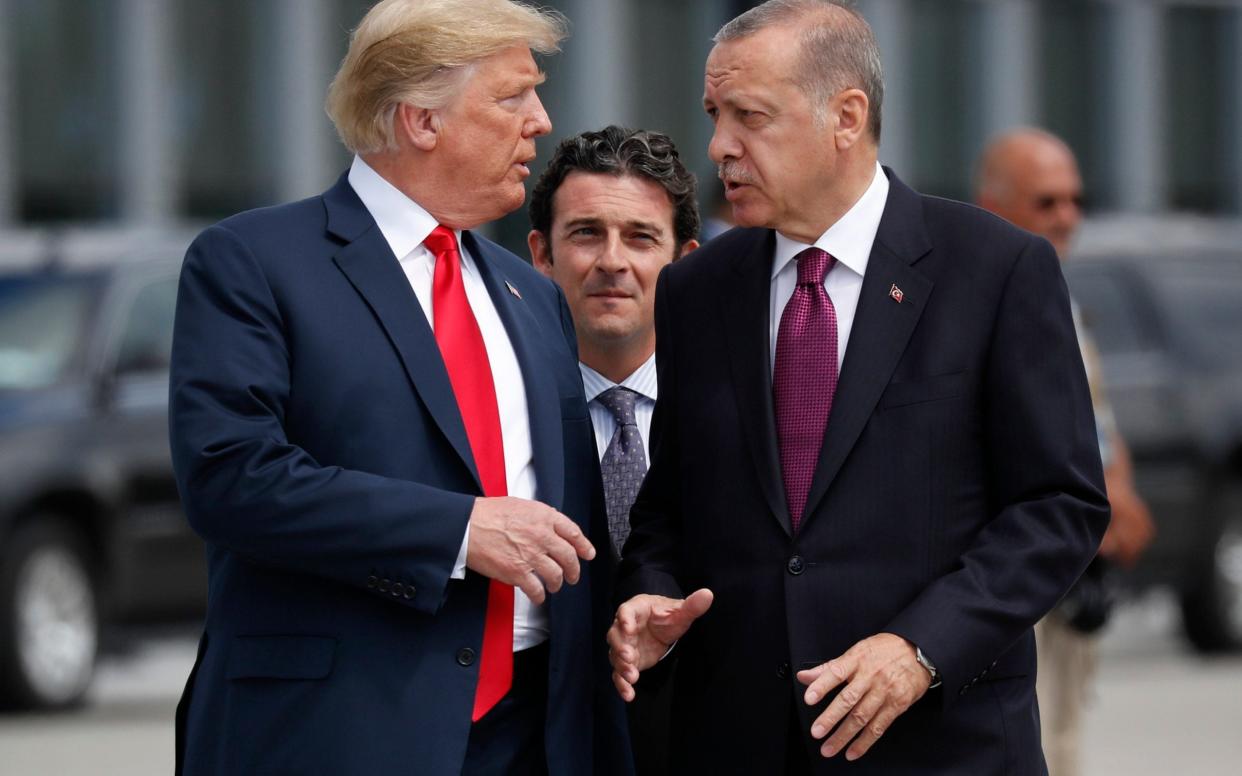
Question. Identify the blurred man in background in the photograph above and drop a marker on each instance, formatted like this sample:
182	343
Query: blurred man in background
610	211
1030	177
376	426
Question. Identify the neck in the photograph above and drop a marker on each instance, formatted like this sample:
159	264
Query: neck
615	363
849	183
420	182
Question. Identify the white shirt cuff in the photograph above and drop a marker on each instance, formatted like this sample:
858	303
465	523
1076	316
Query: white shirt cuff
459	570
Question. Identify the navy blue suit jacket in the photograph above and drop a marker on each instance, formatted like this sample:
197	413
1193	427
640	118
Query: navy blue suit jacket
320	452
957	496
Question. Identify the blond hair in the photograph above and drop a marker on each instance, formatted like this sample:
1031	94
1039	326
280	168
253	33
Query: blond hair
420	52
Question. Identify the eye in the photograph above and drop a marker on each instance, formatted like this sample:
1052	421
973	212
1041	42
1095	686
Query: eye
583	231
712	113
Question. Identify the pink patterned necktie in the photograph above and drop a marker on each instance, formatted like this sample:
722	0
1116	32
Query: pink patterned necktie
805	377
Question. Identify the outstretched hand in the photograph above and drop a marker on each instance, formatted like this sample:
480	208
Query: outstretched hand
644	629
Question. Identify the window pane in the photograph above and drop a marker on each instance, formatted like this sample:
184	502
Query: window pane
147	338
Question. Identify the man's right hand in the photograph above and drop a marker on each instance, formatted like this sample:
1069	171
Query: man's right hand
644	629
525	544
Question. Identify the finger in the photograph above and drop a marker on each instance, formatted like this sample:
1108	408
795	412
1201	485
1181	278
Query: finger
532	586
569	531
855	721
697	604
872	732
622	650
624	688
633	614
843	704
562	553
831	674
808	675
548	571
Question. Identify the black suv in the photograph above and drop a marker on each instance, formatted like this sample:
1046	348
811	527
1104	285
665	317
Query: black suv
1168	324
91	529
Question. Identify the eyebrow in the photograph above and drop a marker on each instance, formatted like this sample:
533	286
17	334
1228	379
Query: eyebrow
596	221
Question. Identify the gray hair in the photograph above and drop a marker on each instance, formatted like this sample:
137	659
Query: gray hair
838	50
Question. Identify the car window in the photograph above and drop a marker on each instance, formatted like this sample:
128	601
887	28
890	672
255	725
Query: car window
42	321
146	339
1109	310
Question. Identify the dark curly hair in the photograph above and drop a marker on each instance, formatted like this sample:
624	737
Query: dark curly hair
618	151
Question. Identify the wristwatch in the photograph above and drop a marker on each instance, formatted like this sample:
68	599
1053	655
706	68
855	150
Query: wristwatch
931	667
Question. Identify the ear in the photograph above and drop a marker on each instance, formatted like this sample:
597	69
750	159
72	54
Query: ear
540	253
851	110
688	246
419	127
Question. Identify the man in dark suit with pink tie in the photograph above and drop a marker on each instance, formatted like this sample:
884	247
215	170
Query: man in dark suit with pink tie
874	463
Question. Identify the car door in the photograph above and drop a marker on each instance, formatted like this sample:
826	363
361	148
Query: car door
159	562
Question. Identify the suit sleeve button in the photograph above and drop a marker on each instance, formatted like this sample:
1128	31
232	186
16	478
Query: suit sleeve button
408	593
383	585
397	589
465	657
782	671
372	581
795	565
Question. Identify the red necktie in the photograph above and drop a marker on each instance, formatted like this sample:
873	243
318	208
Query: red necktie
465	358
804	378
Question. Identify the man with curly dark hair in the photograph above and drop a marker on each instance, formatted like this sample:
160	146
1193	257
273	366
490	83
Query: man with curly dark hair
613	208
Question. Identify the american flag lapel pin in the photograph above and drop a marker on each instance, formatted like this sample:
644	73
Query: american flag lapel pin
896	294
514	291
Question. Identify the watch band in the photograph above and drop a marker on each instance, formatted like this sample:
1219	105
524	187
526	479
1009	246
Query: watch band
929	665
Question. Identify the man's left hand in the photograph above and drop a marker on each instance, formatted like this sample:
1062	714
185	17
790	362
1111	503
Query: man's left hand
882	679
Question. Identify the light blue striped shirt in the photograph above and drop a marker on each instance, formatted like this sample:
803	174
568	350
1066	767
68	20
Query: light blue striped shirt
642	382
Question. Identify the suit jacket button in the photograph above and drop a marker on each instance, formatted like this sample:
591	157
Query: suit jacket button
795	565
465	657
372	581
782	671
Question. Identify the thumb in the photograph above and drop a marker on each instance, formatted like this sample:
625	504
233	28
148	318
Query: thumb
697	604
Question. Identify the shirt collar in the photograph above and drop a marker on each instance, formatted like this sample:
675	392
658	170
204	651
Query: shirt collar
849	240
403	222
642	381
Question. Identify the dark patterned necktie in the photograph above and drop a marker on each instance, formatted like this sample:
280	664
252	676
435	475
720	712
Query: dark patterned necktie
624	463
804	378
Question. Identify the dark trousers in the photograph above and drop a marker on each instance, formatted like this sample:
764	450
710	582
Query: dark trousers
797	755
651	720
508	741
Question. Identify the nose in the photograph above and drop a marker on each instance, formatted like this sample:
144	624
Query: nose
612	256
539	123
723	145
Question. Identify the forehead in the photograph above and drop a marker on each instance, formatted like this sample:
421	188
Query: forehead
513	66
760	60
612	198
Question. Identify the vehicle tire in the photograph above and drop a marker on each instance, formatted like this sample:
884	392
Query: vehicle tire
1212	606
49	616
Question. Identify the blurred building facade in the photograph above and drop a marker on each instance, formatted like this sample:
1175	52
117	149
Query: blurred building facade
157	112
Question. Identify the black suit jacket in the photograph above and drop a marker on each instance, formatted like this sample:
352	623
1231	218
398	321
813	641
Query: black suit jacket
320	452
958	492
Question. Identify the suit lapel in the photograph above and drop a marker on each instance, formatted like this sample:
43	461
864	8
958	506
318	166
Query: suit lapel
367	261
882	327
744	305
542	396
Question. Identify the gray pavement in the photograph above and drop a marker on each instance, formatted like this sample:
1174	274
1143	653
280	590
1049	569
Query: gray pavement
1158	709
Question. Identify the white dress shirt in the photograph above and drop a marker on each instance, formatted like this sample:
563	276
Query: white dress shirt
849	241
642	382
405	224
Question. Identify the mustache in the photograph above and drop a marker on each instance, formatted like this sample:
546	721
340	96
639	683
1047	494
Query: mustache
734	171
